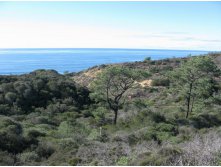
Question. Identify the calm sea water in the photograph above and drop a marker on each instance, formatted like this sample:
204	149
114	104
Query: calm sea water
20	61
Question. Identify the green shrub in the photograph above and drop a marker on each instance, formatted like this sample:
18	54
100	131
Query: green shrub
6	159
163	157
132	139
170	151
160	132
65	129
40	120
165	127
205	121
158	117
153	62
122	161
160	82
73	129
11	136
152	160
162	136
165	69
75	161
149	134
33	133
186	130
5	109
45	149
147	59
28	157
68	143
44	128
32	136
93	135
10	97
154	69
86	113
99	115
104	137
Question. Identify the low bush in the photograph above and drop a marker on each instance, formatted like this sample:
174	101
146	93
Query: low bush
205	121
6	159
164	156
157	117
28	158
74	161
45	149
160	82
122	161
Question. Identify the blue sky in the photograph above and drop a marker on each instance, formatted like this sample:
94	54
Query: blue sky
159	25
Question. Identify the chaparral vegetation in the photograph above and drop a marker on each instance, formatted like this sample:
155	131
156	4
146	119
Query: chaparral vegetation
153	112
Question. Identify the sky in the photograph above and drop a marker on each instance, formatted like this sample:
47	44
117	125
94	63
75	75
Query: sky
145	25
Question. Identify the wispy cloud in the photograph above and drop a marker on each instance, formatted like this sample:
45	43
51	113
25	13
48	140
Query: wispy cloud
175	36
198	39
178	40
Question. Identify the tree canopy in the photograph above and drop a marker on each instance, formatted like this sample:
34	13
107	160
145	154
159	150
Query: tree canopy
112	85
195	79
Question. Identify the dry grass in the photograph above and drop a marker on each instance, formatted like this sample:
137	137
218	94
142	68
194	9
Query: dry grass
201	151
146	83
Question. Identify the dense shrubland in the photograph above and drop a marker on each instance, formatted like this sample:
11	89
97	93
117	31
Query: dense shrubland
48	119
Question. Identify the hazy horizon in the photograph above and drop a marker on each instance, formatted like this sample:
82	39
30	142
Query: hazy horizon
108	49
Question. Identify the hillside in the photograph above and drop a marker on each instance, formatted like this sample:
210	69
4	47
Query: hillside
51	119
158	67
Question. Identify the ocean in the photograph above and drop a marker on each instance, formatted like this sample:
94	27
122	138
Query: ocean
20	61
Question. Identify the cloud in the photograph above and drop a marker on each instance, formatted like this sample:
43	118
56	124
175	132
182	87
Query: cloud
177	36
199	39
17	34
181	40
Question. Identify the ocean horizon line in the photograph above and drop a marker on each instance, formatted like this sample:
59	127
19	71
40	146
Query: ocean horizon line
64	48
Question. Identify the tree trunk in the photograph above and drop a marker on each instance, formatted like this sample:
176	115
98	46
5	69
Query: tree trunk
188	107
192	105
115	116
188	100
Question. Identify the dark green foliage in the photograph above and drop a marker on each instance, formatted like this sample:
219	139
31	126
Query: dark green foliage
28	158
36	98
160	82
45	149
74	161
157	117
112	85
99	115
6	159
160	132
11	136
206	121
195	80
162	157
147	59
33	134
41	89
